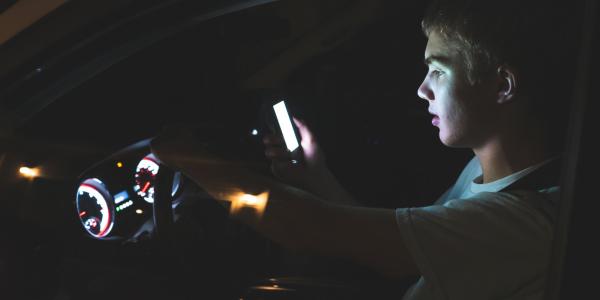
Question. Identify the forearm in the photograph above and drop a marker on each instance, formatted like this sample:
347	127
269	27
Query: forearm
300	220
292	217
326	186
368	236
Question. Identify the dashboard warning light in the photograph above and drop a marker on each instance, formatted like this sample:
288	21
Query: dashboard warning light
139	211
29	172
119	164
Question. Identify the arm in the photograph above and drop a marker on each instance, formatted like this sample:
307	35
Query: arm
313	175
325	185
296	218
368	236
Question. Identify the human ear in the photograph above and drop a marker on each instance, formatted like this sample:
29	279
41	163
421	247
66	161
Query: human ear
507	84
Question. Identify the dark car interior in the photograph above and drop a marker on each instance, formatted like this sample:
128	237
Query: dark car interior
103	219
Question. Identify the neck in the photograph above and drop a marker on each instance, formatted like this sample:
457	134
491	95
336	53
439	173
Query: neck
503	156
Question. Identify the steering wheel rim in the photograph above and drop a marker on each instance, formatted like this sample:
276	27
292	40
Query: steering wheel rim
162	206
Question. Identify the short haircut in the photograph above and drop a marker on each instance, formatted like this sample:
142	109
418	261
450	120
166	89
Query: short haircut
539	39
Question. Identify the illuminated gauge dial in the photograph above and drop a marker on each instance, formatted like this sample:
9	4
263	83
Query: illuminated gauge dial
95	208
145	175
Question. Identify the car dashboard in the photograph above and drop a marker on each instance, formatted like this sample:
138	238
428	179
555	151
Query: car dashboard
115	200
115	196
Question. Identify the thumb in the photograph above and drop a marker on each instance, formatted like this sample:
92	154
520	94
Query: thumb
306	136
312	153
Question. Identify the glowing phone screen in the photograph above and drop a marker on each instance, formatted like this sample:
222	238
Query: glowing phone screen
285	123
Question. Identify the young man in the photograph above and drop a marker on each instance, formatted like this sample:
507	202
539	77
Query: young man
489	236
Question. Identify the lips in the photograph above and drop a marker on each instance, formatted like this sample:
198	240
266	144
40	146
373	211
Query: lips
436	119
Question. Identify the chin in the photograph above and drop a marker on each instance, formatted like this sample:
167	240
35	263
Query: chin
444	138
447	144
449	140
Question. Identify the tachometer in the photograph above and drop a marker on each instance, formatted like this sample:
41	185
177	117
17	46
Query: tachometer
145	175
95	207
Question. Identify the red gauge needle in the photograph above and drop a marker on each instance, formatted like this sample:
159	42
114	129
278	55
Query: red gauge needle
81	214
146	186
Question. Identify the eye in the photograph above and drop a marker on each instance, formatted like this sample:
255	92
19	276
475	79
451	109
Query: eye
436	73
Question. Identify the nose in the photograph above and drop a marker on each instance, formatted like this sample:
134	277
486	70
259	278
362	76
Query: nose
424	91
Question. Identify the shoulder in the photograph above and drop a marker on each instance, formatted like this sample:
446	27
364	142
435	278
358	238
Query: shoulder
484	238
487	213
525	199
521	208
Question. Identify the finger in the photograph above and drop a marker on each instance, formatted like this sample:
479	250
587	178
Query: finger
306	136
299	122
272	139
277	154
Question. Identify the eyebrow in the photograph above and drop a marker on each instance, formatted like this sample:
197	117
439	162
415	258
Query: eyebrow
440	59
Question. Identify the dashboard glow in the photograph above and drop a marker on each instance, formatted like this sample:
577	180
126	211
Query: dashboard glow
86	193
247	202
145	174
124	205
120	197
29	172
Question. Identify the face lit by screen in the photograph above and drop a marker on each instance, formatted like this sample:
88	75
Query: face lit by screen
286	126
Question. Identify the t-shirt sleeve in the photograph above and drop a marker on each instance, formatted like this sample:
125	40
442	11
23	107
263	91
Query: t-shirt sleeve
491	243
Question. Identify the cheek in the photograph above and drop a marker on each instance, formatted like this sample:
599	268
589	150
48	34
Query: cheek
448	106
452	112
453	115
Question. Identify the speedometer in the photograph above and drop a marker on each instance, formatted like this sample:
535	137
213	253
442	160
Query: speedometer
95	207
145	175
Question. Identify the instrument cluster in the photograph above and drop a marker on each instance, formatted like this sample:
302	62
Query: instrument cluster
115	197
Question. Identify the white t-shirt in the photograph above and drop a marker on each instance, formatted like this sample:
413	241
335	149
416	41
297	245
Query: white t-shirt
478	242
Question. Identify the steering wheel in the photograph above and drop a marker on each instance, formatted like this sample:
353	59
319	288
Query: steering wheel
162	206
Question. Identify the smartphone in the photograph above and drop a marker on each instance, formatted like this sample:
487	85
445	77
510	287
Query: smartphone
288	130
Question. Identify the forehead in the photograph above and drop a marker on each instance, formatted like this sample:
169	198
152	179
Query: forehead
440	50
